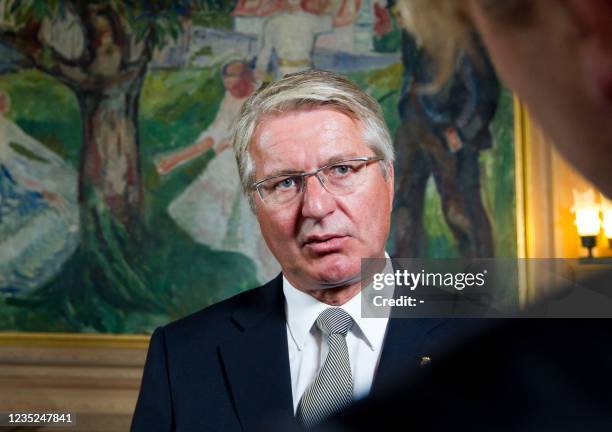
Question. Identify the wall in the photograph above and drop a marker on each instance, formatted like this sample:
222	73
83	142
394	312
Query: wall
97	378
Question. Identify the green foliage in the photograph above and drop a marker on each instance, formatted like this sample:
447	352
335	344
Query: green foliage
23	10
384	86
389	78
188	97
159	20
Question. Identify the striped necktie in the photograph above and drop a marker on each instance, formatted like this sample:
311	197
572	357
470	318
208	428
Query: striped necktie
332	388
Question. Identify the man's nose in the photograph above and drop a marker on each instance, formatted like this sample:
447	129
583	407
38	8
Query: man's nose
318	202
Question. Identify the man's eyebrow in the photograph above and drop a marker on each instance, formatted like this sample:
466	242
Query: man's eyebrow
328	161
341	158
282	172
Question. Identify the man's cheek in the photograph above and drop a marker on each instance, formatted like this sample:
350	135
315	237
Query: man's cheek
280	235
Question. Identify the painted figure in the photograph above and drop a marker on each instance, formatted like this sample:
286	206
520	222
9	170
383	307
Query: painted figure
38	224
291	35
213	210
442	134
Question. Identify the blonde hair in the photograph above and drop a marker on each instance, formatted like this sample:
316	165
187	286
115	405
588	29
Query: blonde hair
441	27
444	29
304	90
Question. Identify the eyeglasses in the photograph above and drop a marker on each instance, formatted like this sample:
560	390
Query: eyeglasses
338	178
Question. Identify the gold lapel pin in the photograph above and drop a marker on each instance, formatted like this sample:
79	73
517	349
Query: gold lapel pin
425	360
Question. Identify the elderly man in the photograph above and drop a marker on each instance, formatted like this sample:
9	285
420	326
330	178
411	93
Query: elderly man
315	160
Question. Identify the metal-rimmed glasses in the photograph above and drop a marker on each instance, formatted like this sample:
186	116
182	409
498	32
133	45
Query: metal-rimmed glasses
338	178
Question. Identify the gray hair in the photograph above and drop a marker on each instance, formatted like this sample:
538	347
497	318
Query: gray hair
303	90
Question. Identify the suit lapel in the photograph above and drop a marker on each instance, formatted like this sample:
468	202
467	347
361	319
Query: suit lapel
256	359
400	354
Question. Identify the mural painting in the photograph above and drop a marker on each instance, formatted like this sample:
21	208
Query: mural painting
120	204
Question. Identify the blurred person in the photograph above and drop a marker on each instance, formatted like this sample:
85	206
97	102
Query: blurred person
556	56
525	374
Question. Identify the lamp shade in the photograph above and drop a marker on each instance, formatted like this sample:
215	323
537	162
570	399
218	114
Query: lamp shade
606	211
586	212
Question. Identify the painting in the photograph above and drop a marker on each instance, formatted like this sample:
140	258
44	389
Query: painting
120	203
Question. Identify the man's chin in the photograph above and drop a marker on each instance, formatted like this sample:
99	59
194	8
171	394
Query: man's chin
338	273
332	283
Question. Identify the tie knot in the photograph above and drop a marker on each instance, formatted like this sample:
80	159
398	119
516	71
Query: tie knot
334	321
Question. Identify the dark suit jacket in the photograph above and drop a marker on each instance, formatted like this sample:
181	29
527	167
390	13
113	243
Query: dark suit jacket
226	367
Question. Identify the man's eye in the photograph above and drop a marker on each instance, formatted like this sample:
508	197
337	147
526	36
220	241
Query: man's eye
341	170
285	183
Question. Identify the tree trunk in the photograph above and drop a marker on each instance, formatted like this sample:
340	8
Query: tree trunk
110	175
107	267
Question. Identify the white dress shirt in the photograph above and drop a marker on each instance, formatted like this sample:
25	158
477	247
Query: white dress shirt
308	349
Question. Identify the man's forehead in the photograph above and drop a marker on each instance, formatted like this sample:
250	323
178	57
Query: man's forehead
311	127
295	142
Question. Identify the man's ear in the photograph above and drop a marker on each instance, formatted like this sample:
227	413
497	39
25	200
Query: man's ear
391	181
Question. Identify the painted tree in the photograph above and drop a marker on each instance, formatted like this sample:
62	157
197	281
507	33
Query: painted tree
101	51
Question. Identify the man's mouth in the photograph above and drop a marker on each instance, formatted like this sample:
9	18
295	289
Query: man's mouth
325	243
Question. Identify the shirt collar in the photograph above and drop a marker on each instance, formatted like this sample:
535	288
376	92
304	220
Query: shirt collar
302	311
